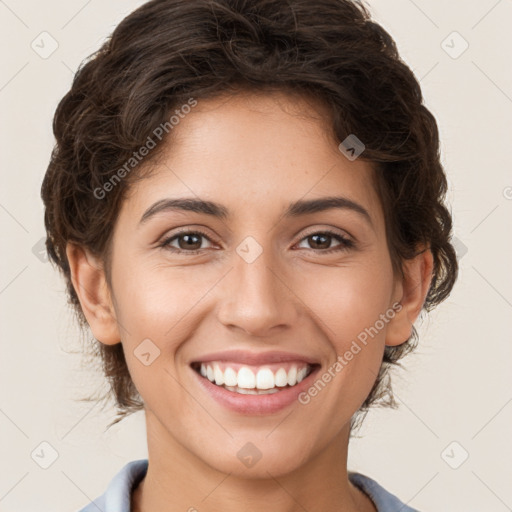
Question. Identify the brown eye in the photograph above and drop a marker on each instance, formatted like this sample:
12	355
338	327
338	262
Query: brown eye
187	241
321	241
191	241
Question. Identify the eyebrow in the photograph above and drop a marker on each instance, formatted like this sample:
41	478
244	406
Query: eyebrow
296	209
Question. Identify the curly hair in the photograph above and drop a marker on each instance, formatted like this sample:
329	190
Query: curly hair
168	51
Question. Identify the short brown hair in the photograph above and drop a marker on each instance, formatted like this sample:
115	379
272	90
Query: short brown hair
168	51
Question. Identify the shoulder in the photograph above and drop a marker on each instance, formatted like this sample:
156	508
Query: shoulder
117	497
384	501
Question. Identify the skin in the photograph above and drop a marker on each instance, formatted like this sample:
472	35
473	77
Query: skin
254	154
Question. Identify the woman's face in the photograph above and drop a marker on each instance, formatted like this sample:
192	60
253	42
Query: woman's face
269	284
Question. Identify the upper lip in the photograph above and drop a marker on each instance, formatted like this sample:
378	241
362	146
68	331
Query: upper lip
254	358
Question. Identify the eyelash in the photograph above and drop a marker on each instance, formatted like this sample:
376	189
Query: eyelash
345	243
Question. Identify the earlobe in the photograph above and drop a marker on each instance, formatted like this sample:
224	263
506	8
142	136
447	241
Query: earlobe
88	278
412	292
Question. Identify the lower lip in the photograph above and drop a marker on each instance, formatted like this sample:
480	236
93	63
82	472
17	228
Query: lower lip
256	404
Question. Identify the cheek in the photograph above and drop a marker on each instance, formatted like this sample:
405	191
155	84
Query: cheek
155	308
350	300
163	305
152	300
351	304
156	301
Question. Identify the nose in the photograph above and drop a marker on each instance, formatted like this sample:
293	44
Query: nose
258	297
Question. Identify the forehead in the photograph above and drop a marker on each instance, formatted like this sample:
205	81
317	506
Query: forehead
254	152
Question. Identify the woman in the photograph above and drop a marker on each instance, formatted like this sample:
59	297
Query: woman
246	202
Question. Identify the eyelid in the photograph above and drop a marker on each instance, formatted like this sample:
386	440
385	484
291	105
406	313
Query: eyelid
331	230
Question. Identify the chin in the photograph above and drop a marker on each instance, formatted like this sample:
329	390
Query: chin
258	457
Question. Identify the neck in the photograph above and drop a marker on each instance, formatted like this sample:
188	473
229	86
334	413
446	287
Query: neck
177	480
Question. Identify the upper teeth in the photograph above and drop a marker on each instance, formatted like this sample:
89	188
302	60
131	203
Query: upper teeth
245	377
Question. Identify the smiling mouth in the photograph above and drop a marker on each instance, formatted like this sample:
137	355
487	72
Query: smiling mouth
254	380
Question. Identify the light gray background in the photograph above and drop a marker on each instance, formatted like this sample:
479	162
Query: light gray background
456	387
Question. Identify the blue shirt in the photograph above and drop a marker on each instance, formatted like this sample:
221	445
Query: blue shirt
117	497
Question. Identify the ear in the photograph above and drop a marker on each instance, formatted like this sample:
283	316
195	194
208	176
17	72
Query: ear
411	292
89	281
